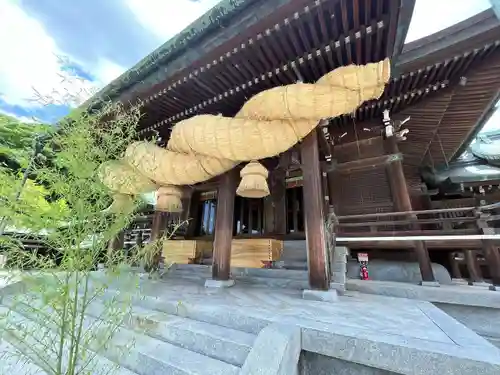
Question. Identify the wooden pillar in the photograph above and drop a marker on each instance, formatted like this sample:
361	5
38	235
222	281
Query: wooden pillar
402	201
317	258
326	192
157	231
115	245
275	204
157	227
193	214
224	225
492	256
455	269
490	251
472	266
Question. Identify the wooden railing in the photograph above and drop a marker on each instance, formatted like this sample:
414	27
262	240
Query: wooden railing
451	221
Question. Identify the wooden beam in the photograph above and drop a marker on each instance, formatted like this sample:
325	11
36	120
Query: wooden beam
472	266
402	202
363	164
455	269
492	256
317	259
278	194
224	225
325	142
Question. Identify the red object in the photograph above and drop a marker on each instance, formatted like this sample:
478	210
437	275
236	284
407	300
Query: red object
364	272
267	264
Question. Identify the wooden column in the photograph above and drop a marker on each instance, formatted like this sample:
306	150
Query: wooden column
317	258
492	256
193	214
402	200
490	251
275	204
279	201
115	245
157	231
224	225
472	266
455	269
326	192
158	226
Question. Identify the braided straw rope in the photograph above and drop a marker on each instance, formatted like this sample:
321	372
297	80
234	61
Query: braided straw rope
268	124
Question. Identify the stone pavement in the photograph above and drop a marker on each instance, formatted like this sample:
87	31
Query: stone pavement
400	335
394	335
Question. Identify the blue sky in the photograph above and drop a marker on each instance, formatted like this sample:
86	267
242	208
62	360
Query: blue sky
61	51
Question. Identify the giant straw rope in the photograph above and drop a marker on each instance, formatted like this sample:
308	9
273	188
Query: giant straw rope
268	124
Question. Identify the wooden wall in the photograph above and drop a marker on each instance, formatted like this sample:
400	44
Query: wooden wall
359	192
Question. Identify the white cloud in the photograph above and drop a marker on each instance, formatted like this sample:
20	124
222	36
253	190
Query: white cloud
107	70
25	119
431	16
167	18
31	64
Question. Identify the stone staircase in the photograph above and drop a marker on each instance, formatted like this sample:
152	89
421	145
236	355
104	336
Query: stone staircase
294	256
177	326
151	340
256	277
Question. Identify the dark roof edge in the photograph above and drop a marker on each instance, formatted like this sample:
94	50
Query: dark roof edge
451	30
154	66
405	14
422	48
208	22
485	116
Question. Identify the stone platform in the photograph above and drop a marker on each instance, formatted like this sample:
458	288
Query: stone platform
369	333
399	335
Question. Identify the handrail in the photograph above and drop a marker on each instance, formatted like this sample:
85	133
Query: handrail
408	222
406	213
489	206
474	210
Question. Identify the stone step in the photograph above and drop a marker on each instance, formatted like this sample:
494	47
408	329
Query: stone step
14	362
150	356
135	352
37	339
214	341
269	273
208	313
273	282
296	265
277	278
241	271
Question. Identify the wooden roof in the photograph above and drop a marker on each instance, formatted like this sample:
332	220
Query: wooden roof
245	46
262	45
448	83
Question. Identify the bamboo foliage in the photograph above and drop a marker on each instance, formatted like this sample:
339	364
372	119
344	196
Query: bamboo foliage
59	315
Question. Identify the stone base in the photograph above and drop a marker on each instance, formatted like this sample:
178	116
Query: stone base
478	283
211	283
429	283
320	295
339	287
494	288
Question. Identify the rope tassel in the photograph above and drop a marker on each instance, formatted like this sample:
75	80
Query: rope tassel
253	182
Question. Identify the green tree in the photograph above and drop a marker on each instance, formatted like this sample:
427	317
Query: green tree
49	324
16	142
